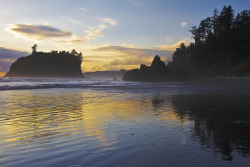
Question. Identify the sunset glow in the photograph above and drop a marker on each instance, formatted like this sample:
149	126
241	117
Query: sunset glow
110	34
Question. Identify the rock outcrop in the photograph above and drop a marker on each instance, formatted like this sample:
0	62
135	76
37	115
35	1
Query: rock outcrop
157	72
42	64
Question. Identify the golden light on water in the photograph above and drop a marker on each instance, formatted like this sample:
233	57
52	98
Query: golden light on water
85	126
34	117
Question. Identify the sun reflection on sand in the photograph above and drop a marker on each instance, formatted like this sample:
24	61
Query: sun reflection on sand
92	126
35	117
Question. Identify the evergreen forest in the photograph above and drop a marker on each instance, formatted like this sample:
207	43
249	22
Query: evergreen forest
221	47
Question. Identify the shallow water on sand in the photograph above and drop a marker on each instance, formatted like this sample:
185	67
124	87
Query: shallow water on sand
93	127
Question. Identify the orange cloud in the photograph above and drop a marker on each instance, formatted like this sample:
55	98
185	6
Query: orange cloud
127	56
131	61
2	74
135	51
173	47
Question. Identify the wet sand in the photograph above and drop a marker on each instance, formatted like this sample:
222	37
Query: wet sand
113	127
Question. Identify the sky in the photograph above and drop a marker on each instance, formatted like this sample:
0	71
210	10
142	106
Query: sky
111	34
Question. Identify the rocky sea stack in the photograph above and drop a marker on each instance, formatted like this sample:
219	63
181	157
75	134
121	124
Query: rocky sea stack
157	72
55	64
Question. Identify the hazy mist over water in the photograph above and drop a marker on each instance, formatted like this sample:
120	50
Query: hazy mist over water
124	124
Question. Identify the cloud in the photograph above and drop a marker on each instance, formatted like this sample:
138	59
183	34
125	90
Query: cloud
8	56
11	53
125	63
39	31
184	24
77	22
132	56
2	74
104	56
130	61
100	68
129	57
173	47
5	64
93	61
93	32
90	34
129	45
109	21
141	52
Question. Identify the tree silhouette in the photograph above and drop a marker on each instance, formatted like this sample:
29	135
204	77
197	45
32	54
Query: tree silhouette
34	48
226	19
221	46
80	56
74	52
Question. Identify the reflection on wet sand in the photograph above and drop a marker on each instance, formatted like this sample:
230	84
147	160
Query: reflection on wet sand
37	117
221	122
94	123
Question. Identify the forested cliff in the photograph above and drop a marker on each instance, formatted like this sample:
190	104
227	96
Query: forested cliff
221	47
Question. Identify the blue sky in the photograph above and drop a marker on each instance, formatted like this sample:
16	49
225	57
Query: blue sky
111	34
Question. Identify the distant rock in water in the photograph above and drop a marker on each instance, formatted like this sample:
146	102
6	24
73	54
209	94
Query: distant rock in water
157	72
40	64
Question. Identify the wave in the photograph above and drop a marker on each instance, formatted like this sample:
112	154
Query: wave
201	86
47	83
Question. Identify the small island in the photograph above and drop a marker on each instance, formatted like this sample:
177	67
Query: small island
55	64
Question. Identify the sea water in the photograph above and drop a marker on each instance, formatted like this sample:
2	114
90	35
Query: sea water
83	122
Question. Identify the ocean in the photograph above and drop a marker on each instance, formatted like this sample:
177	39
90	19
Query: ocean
98	123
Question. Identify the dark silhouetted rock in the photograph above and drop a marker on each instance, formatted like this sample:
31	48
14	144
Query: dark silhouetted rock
42	64
132	75
157	72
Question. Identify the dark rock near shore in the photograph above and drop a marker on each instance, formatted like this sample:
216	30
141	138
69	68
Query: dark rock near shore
42	64
157	72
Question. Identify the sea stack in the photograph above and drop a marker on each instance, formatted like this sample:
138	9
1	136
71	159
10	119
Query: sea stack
54	64
157	72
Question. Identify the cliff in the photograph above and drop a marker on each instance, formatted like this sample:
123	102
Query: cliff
157	72
40	64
